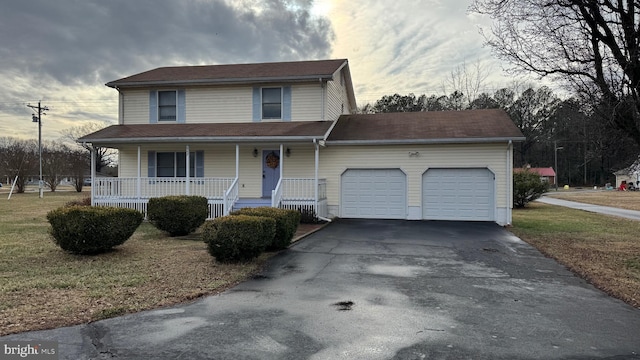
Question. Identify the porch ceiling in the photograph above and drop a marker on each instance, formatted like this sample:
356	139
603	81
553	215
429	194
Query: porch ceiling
215	132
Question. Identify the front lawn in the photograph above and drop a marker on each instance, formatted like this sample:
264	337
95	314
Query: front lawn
42	287
604	250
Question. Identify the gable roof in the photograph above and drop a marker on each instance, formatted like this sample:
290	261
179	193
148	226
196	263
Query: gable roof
234	73
487	125
216	132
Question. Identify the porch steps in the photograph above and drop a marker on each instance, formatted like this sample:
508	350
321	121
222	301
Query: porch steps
251	202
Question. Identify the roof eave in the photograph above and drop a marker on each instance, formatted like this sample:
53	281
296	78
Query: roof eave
201	139
426	141
236	81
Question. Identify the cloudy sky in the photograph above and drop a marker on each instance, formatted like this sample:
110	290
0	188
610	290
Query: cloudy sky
63	52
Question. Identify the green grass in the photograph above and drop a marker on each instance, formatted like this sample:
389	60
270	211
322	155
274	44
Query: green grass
42	286
604	250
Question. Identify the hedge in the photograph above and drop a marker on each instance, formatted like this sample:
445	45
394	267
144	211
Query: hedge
92	230
177	215
237	238
286	223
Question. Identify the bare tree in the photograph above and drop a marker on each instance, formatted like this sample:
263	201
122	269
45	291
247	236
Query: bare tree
19	158
55	164
593	46
466	83
104	156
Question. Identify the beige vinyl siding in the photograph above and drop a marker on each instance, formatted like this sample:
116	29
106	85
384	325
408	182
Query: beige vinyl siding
336	97
135	107
334	160
219	104
306	102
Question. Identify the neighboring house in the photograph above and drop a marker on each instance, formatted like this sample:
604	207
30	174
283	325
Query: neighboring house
546	174
286	135
629	174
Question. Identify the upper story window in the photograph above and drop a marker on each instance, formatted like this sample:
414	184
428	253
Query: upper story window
272	103
173	164
167	101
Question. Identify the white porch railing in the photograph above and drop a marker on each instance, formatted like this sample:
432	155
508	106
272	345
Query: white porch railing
299	194
276	194
221	193
148	187
230	197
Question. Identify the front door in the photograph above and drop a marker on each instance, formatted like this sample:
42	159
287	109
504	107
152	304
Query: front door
270	171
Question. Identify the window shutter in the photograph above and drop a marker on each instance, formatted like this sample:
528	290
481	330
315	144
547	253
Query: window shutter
286	103
200	163
153	107
257	105
151	164
181	111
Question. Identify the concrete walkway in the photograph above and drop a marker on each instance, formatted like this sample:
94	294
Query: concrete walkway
606	210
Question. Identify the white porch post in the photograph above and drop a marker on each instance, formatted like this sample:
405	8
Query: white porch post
187	187
138	181
315	182
93	175
281	160
237	161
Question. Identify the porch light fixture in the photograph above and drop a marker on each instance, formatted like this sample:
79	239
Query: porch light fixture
288	152
255	152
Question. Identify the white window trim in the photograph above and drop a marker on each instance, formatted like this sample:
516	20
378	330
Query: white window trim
262	118
158	105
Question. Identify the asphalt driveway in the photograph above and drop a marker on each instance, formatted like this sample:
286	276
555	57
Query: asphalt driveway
367	289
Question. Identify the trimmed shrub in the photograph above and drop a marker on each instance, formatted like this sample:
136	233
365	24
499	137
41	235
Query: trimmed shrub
85	201
308	216
286	223
92	230
527	186
238	238
177	215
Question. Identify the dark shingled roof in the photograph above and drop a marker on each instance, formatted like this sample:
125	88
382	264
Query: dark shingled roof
443	126
233	73
298	130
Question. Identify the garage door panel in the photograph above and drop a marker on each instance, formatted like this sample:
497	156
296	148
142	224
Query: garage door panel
374	193
458	194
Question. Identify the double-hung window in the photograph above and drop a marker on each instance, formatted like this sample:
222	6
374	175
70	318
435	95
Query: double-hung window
272	103
167	101
173	164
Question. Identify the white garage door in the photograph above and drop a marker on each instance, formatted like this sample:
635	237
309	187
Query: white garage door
458	194
374	194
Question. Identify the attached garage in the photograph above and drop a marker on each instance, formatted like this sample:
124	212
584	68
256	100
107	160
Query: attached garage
458	194
374	194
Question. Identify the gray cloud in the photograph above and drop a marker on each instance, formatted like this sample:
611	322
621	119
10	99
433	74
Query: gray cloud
64	51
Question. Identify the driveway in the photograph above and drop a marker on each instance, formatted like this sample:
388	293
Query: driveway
606	210
366	289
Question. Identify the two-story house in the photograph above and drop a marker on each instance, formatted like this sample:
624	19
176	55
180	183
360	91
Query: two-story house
287	135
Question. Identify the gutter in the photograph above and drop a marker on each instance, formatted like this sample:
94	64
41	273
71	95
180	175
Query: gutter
224	139
306	78
425	141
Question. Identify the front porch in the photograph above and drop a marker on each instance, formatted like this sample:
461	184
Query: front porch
224	194
221	193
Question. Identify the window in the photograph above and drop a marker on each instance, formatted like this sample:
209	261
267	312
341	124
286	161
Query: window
272	103
167	101
173	164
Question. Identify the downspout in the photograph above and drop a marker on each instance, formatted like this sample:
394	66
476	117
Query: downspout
317	153
509	173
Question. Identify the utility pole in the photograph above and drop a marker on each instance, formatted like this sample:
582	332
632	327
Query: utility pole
41	111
